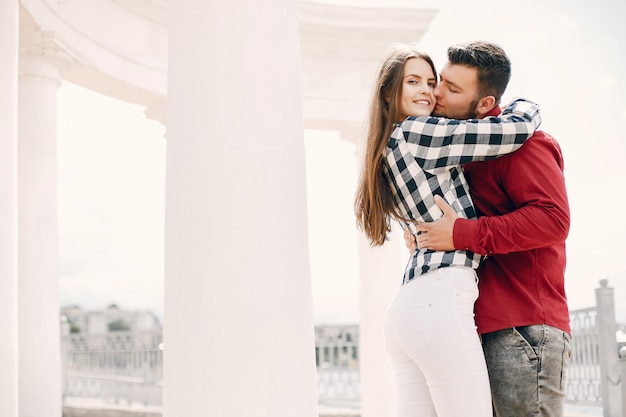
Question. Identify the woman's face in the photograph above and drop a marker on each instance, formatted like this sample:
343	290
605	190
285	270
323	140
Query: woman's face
418	83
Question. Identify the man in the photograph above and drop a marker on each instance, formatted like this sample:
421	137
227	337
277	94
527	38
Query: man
521	312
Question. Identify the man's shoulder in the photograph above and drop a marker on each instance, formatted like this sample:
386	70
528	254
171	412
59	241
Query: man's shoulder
540	139
541	146
541	135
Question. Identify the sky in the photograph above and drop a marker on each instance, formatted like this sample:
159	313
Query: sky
567	55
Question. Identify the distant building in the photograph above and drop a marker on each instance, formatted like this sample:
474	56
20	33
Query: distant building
337	346
76	320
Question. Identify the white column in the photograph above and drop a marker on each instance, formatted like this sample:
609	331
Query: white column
381	270
8	208
38	289
239	336
607	350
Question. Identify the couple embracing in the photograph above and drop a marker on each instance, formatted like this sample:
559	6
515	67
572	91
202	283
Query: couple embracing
480	324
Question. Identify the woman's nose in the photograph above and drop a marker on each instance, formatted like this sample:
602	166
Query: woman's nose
425	89
437	91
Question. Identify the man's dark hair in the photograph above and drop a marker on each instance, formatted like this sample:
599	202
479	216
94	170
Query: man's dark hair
492	63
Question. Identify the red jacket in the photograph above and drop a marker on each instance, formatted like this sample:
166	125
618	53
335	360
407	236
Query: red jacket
523	221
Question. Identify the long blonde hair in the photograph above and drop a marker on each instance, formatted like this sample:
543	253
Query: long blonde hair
374	203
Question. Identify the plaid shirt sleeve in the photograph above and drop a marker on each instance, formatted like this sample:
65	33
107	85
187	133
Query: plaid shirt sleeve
438	143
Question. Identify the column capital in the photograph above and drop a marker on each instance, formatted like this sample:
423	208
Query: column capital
352	131
158	112
41	56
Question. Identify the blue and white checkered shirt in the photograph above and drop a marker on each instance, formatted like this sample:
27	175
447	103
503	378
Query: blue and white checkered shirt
424	157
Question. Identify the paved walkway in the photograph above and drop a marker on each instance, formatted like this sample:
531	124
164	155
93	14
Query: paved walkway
583	411
80	407
327	410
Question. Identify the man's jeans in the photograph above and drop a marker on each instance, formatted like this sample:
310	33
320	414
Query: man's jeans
527	370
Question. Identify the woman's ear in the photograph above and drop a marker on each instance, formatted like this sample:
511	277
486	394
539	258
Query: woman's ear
387	99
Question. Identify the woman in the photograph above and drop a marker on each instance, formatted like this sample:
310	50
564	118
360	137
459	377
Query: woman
439	368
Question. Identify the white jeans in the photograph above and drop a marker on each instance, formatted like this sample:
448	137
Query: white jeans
438	363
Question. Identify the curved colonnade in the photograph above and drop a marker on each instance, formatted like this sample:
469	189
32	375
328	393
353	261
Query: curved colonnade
120	48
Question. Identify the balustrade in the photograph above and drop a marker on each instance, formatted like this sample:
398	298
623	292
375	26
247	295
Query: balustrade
127	366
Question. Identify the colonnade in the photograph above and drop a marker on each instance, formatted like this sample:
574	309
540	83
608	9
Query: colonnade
236	245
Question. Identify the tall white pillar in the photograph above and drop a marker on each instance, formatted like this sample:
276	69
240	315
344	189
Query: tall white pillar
608	354
239	336
38	288
380	270
8	208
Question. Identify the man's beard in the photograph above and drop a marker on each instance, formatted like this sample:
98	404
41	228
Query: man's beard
469	114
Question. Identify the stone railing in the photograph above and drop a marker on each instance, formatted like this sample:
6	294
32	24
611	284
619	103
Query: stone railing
126	367
115	367
583	376
596	370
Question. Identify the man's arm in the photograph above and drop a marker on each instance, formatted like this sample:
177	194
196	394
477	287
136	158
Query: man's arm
533	180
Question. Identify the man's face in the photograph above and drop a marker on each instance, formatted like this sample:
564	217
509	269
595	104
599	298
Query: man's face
457	93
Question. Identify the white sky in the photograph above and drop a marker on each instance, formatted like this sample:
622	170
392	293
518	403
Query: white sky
567	55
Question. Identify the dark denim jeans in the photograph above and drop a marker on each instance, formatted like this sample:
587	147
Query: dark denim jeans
527	370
